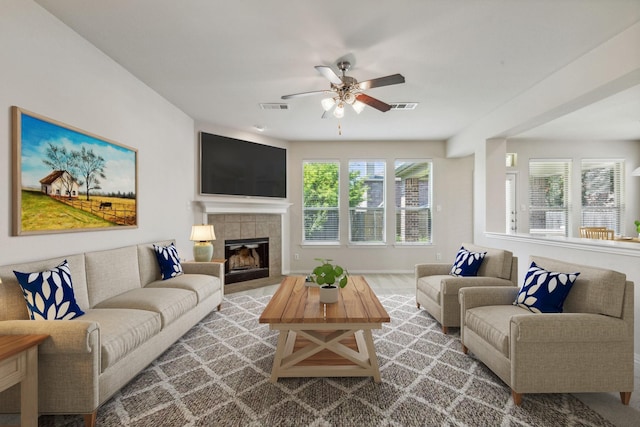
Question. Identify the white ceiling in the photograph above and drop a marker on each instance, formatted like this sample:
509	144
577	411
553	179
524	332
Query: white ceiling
218	60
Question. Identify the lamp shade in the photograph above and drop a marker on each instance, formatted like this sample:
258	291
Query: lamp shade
327	103
202	233
358	106
636	172
338	112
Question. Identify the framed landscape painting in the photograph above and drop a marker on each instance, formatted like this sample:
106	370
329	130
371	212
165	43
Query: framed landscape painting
66	179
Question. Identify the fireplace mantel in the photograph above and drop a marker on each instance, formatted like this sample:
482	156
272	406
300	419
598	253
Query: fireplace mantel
243	206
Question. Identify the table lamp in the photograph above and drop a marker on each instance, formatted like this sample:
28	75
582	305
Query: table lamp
202	235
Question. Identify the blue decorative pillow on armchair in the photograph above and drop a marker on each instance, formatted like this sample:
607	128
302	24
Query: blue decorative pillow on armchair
467	263
49	294
168	260
544	291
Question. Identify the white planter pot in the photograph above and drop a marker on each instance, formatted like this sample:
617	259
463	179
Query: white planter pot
329	294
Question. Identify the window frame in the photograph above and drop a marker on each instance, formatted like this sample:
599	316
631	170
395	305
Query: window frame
353	209
399	209
336	208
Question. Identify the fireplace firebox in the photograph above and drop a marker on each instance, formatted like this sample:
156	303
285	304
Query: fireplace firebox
247	259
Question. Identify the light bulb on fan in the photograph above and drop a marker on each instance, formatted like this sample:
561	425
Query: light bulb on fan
338	113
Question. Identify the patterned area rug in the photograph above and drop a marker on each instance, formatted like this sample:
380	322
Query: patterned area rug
218	375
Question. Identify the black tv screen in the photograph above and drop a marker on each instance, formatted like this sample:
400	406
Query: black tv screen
232	166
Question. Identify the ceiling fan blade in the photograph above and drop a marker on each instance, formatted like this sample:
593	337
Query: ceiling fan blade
393	79
325	115
298	95
372	102
329	74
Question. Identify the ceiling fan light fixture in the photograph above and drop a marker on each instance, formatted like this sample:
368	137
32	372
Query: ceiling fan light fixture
338	113
358	106
328	103
349	98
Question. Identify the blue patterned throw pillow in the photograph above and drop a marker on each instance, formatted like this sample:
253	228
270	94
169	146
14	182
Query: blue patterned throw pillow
467	263
168	260
49	294
544	291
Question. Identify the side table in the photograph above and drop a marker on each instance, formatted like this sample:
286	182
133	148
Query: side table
19	364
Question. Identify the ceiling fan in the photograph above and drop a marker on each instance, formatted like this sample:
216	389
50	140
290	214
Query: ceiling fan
346	90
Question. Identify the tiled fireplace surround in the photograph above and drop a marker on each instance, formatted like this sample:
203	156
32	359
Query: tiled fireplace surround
248	220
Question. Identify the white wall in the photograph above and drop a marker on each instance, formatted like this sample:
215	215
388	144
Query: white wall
50	70
452	224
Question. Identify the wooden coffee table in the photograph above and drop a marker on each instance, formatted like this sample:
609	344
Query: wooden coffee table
324	340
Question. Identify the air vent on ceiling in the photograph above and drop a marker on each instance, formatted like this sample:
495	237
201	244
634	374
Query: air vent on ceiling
274	106
403	105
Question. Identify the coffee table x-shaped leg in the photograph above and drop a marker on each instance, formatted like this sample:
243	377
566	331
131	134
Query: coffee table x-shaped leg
325	350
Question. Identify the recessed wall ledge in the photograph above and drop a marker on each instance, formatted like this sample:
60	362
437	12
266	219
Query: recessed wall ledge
605	246
243	206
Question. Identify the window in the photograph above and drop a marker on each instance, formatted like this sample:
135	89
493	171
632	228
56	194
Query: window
602	194
549	200
413	201
366	202
321	216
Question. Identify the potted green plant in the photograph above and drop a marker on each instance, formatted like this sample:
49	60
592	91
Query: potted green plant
637	223
328	277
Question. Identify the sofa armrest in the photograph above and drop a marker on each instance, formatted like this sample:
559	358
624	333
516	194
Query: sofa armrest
486	295
451	285
65	336
568	328
432	269
209	268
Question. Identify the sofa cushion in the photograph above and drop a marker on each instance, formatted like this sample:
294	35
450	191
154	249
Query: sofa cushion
597	290
203	285
467	263
544	291
49	294
168	261
148	263
111	272
497	262
169	303
122	331
492	323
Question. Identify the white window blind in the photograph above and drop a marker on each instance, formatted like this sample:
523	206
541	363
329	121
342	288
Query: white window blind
321	190
366	201
603	194
549	196
413	190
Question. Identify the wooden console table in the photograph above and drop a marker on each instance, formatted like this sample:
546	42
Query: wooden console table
19	364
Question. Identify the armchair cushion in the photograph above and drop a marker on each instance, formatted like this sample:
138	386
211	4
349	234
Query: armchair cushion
544	291
597	290
492	324
467	263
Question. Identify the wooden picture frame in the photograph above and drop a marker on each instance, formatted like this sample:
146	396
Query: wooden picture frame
69	180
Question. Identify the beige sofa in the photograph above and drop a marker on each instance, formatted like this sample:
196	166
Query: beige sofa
586	348
437	291
131	317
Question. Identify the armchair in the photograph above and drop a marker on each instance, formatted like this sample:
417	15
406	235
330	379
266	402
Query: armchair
586	348
437	290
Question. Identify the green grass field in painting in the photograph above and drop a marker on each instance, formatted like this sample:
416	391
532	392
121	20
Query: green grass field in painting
41	212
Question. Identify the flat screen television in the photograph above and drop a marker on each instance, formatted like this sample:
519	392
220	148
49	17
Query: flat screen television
230	166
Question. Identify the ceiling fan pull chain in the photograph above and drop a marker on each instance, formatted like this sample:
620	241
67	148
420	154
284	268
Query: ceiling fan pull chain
339	128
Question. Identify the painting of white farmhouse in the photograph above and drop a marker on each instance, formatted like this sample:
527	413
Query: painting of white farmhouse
67	180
